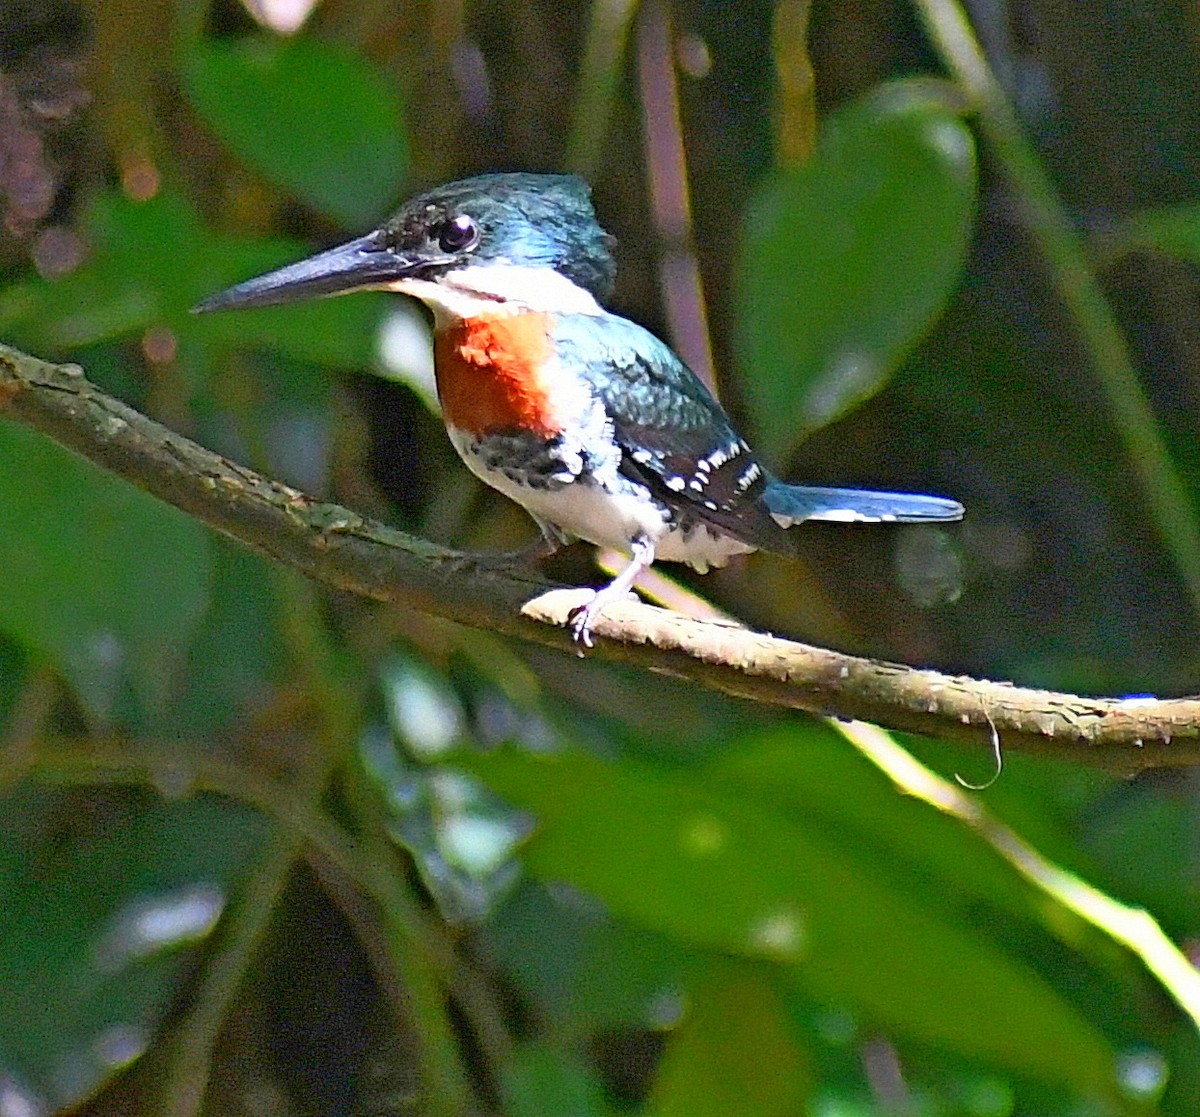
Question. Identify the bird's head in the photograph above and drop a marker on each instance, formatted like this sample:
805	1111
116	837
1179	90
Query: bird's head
480	245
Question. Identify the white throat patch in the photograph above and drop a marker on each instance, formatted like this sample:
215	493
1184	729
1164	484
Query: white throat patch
492	289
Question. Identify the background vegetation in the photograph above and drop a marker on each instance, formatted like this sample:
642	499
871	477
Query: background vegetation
265	850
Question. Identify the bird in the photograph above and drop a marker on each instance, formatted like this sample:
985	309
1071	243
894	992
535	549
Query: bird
586	419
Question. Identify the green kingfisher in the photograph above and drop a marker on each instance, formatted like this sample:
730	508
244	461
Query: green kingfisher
585	419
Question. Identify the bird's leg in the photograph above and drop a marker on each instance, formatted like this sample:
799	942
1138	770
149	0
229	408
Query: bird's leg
582	618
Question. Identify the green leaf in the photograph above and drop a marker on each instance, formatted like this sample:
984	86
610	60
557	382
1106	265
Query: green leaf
99	906
141	270
101	579
735	1026
810	772
541	1082
727	869
237	654
310	116
13	668
584	970
1171	230
849	259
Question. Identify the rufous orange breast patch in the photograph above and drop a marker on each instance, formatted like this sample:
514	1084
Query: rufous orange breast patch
490	374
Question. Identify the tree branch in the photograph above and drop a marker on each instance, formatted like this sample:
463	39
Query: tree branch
349	552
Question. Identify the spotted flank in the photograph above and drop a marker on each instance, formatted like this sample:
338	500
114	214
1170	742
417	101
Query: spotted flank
577	492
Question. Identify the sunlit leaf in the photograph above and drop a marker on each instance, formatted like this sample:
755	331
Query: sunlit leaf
102	580
848	259
734	1027
729	870
312	117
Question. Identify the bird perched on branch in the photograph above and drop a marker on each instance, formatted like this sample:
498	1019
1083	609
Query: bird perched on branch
585	419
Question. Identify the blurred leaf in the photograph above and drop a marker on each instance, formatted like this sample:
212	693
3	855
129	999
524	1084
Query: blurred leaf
150	262
725	868
101	579
98	905
237	654
814	775
735	1028
1147	845
1171	230
541	1082
460	836
580	966
336	332
311	116
850	258
13	668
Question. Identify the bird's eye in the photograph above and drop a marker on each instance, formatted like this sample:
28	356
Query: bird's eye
458	234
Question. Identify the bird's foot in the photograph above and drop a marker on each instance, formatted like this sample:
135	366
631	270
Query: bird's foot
582	617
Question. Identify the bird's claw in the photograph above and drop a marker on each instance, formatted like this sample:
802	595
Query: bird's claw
581	618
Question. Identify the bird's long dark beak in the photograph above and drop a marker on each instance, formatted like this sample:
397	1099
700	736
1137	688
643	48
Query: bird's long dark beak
355	266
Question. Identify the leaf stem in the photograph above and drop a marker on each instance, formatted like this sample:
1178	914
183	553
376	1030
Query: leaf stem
607	35
1132	928
670	193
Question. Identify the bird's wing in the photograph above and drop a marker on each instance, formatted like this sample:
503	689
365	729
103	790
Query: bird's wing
675	437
